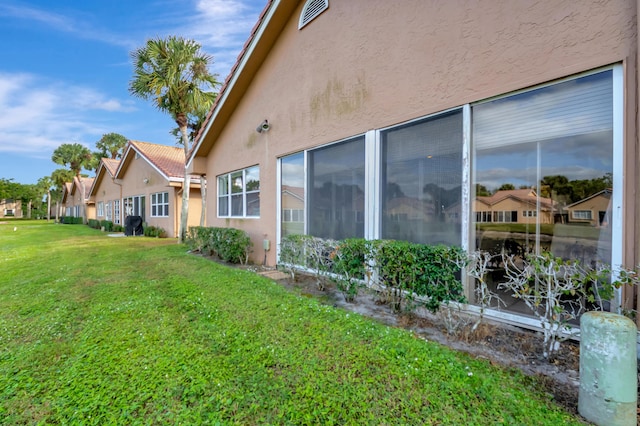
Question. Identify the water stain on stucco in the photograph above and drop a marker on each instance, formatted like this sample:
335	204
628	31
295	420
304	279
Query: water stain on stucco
252	139
338	99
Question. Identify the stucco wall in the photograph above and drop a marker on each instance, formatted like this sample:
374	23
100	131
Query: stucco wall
367	64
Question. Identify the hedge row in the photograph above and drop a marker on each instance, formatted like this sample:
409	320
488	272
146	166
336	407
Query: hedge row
108	225
424	274
229	244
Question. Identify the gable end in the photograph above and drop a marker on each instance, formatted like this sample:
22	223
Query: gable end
311	10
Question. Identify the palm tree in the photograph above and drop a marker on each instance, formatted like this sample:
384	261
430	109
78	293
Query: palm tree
77	157
174	74
45	184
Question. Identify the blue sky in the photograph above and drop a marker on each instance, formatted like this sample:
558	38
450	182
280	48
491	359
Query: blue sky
66	67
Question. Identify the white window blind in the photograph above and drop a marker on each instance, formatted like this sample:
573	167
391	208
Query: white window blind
577	107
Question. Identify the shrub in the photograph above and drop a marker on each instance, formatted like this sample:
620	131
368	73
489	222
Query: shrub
107	225
350	266
155	231
556	291
425	274
229	244
93	223
118	228
70	220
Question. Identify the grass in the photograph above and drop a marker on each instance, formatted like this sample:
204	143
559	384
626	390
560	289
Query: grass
99	330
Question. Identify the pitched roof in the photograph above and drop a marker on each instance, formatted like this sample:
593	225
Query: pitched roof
271	21
111	165
107	165
83	184
605	192
528	196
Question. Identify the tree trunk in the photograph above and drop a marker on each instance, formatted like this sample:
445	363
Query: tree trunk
203	195
48	206
184	214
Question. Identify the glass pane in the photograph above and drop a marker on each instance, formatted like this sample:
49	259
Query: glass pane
236	205
237	184
336	190
422	181
253	204
252	176
223	185
223	206
547	187
292	193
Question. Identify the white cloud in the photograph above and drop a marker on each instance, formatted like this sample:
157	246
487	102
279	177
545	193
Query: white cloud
222	27
39	115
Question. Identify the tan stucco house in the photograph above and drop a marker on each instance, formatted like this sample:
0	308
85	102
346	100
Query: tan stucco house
106	192
150	177
594	210
387	102
75	199
10	208
514	206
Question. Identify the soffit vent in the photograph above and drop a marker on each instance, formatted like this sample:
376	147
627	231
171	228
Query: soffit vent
311	10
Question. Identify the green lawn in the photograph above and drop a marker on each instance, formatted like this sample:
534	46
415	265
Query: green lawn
100	330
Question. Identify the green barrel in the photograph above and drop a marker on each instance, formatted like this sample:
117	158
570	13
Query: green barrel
608	369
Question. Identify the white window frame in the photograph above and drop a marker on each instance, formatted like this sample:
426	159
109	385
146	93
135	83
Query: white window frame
107	212
160	204
229	193
116	212
100	209
373	176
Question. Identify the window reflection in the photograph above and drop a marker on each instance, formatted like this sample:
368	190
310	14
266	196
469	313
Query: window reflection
543	167
336	190
421	180
292	195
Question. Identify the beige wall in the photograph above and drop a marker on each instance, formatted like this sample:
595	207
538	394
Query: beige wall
107	191
142	179
367	64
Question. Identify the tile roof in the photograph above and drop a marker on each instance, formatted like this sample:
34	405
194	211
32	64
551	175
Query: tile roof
167	159
523	195
111	165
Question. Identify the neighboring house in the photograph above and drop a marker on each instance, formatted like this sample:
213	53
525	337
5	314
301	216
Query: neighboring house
10	208
594	210
151	177
106	192
75	199
379	100
292	210
514	206
66	201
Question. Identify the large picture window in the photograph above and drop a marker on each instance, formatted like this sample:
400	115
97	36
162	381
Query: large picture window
160	204
421	180
528	172
336	190
546	153
239	193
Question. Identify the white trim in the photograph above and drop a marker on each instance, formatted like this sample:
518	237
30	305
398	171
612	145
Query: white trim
617	197
467	182
371	172
278	207
233	78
